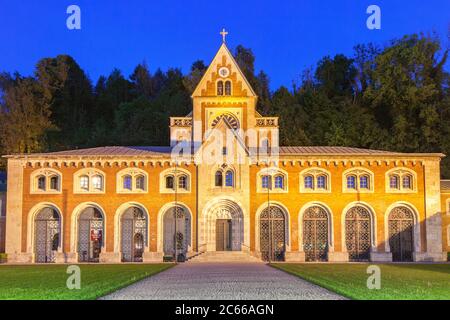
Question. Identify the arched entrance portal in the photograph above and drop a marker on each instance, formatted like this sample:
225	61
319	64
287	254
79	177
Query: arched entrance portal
177	231
133	234
315	234
47	229
224	226
358	233
401	239
90	234
272	228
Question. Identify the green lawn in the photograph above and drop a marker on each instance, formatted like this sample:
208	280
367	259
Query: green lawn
49	281
398	281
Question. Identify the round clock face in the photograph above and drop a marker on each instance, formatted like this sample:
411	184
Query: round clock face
224	72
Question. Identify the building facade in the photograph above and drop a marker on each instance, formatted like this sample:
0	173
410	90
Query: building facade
225	186
2	211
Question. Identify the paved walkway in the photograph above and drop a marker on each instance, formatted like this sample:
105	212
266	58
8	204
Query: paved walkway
228	281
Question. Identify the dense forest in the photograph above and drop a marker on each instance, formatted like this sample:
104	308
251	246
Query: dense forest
392	97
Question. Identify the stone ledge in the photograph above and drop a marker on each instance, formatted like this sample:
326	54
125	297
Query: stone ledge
153	257
294	256
429	257
20	257
381	257
110	257
338	256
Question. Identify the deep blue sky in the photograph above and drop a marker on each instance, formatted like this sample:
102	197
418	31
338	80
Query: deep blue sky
286	36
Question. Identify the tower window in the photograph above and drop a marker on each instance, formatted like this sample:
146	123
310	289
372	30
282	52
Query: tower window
220	88
229	179
218	179
228	88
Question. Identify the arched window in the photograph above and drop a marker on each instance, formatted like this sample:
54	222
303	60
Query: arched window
182	182
131	180
91	180
169	182
140	182
351	182
393	182
401	180
42	183
279	182
321	182
218	179
364	182
315	180
84	183
45	180
220	88
229	179
407	182
97	182
127	182
309	182
54	183
228	88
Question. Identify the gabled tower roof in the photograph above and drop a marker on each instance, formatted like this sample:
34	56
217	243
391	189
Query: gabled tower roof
212	68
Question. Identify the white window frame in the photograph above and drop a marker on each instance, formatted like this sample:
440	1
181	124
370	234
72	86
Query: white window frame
358	173
401	172
176	173
47	173
314	172
134	173
90	173
272	172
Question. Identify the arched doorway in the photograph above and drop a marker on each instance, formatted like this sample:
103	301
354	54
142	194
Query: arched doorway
315	234
358	233
90	234
401	238
177	231
133	234
47	229
272	229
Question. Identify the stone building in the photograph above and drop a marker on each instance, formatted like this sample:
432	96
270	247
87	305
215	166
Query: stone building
2	210
224	190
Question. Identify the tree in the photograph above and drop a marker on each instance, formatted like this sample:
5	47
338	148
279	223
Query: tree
142	82
191	80
24	115
68	92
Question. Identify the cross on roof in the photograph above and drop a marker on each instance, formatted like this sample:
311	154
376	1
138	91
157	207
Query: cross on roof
224	34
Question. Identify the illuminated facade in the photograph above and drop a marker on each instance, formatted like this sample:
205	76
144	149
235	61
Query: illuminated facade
114	204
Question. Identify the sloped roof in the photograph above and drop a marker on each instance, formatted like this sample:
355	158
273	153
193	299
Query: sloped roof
445	186
164	151
294	150
108	151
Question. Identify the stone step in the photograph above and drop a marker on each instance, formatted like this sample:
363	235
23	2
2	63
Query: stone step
224	256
